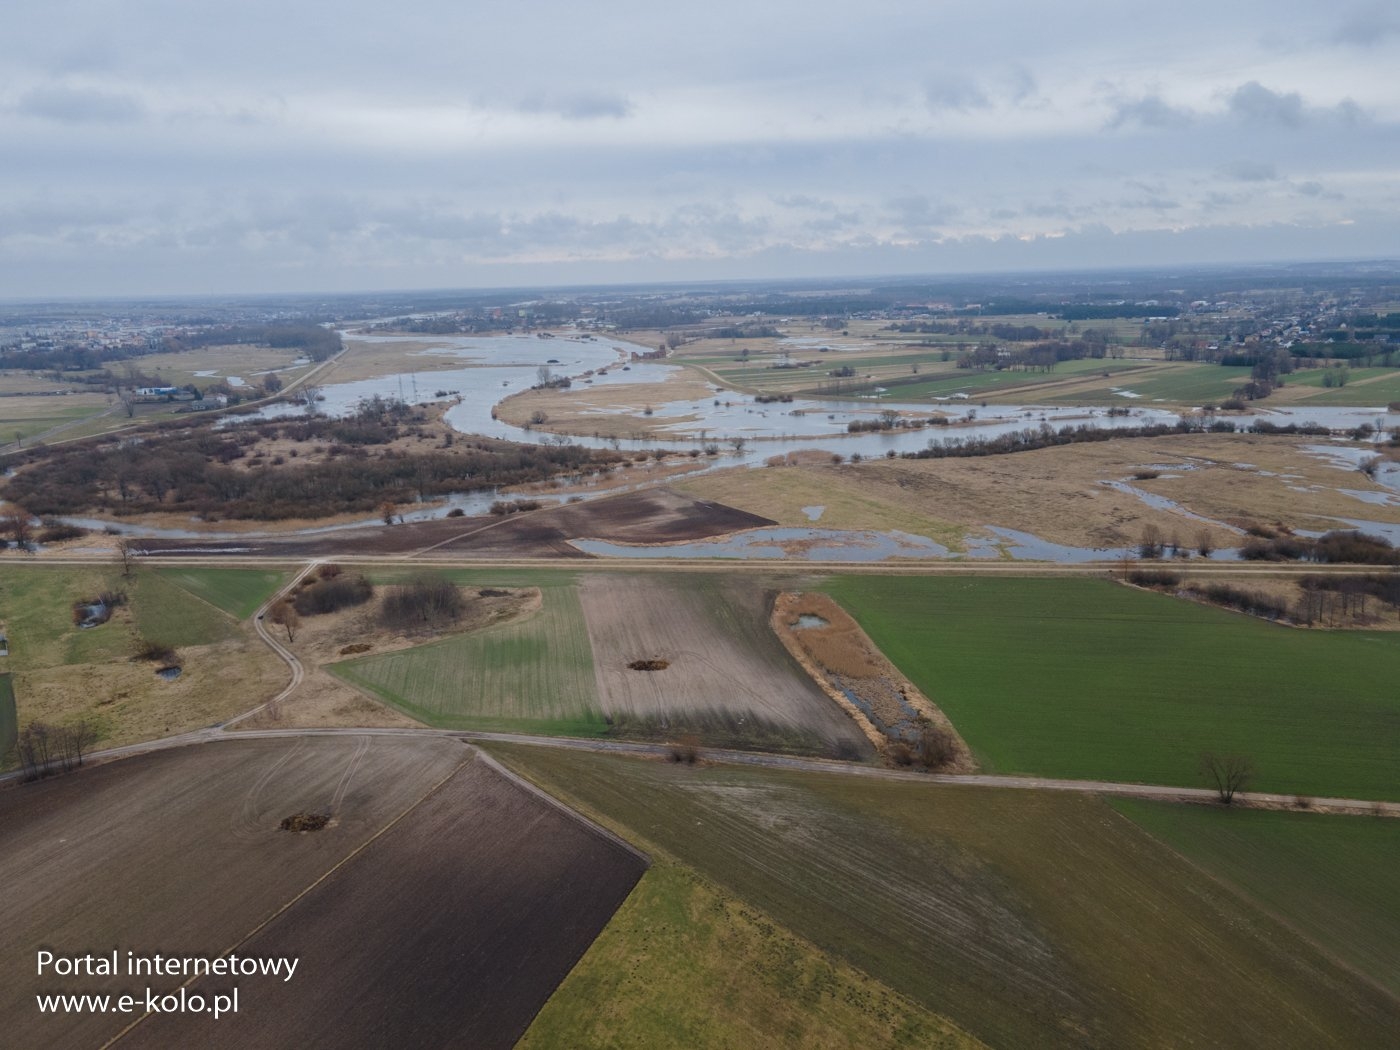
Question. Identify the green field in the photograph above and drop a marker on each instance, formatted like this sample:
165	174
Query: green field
1334	879
237	592
531	675
1186	384
37	605
684	964
973	383
9	717
1088	679
166	612
1027	918
1379	393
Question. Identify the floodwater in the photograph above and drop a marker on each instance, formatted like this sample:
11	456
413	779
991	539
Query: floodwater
1157	502
494	367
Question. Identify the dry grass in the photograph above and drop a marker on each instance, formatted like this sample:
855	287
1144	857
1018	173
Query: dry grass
606	410
131	704
1058	494
845	657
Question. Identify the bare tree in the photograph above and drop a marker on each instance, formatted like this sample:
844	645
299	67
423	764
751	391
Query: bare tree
284	614
17	523
1228	774
125	552
387	510
738	444
127	397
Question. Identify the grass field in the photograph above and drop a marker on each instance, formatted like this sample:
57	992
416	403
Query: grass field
1188	384
532	675
1336	880
1361	389
167	612
24	417
1027	919
1088	679
682	963
64	673
9	719
237	592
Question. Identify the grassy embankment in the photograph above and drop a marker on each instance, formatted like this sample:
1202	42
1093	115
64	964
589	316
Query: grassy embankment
1334	879
1087	679
1025	918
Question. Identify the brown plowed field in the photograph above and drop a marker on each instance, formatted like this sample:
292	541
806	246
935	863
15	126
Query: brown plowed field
724	665
658	515
440	907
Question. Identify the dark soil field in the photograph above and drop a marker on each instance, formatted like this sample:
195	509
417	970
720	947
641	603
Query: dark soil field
658	515
442	903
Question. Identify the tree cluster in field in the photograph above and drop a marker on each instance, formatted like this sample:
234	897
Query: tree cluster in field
188	469
1333	599
422	602
1336	547
1046	436
331	593
1038	357
45	750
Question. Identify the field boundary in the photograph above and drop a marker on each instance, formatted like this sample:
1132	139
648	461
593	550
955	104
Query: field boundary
534	789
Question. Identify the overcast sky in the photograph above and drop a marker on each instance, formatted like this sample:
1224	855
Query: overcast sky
186	146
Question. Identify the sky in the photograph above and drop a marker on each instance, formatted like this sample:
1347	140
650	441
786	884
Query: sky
184	146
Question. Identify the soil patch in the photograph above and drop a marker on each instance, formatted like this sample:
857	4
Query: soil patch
727	680
305	822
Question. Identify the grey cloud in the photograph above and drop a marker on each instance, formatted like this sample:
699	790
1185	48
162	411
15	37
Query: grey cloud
917	212
954	93
1368	26
1150	111
1254	103
581	105
79	105
1251	171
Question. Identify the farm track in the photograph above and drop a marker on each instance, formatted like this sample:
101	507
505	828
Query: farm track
829	767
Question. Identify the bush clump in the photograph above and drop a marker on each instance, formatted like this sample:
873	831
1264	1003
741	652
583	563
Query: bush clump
424	601
649	665
332	594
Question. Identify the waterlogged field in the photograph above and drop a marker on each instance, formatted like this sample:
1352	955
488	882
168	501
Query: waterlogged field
1026	918
237	592
1336	880
532	675
1088	679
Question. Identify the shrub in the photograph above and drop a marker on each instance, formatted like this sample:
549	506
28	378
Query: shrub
423	601
332	595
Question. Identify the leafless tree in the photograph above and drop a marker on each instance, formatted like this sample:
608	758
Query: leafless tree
127	397
1228	774
17	523
284	614
125	552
